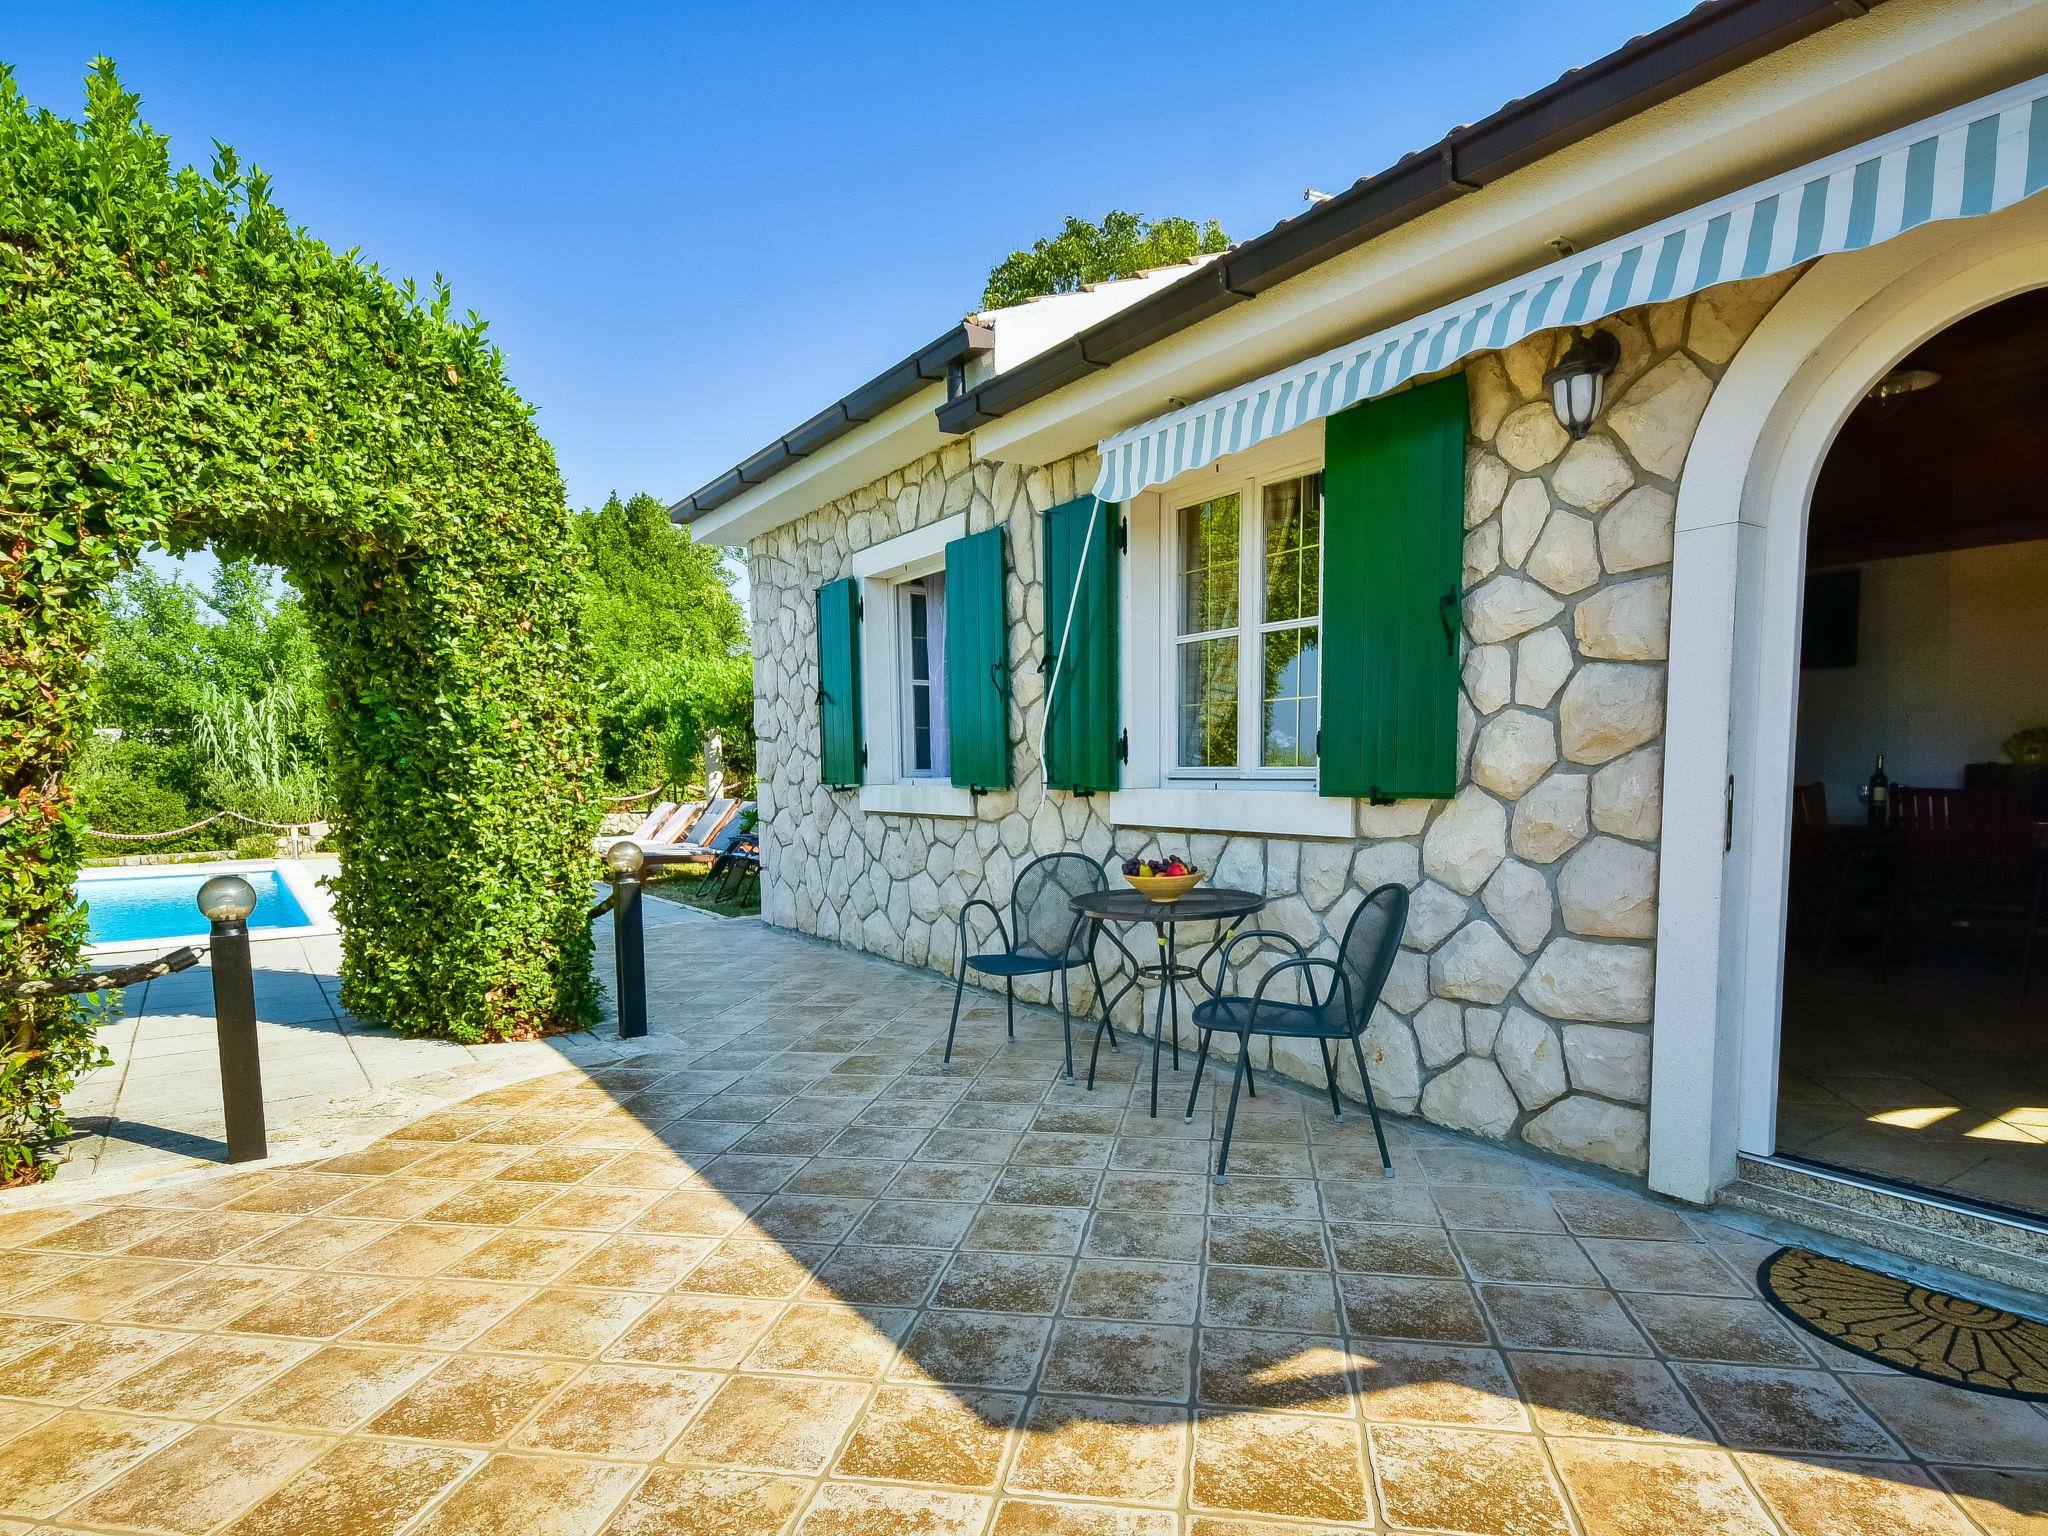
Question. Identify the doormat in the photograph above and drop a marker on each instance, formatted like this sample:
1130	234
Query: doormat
1923	1332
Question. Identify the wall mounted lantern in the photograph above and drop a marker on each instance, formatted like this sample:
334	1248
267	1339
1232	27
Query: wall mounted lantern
1578	384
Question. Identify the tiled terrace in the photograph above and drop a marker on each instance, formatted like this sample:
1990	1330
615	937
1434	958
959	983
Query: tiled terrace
779	1274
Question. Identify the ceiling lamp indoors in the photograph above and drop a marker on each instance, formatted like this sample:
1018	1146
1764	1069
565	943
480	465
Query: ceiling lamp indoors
1891	391
1578	384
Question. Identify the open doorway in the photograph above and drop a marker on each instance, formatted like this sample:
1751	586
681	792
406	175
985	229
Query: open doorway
1915	1019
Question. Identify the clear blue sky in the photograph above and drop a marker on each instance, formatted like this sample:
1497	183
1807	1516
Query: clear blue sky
693	225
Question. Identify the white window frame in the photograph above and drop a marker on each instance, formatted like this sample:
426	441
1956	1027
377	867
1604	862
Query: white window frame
1157	791
890	786
935	682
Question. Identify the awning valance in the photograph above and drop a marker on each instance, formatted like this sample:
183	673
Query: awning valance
1973	160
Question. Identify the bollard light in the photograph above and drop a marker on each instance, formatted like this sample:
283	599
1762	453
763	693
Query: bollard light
624	858
227	899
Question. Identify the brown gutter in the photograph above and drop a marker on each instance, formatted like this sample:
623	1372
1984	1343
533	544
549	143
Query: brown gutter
1714	39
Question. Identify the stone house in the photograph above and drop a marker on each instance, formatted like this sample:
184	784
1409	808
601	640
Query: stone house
1325	589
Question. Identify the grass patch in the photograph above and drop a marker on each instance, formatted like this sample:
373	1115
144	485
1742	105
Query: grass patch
693	888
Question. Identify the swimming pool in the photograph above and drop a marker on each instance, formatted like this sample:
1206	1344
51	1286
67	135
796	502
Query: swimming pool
128	906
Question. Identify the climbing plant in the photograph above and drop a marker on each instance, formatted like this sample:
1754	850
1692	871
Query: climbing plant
180	366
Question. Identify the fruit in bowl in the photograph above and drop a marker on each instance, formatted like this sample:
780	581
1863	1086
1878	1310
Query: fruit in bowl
1164	877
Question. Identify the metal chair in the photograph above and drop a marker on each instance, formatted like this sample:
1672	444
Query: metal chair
1043	937
1339	1012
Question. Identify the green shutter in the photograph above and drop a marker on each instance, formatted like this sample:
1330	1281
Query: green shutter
977	666
1081	749
1393	557
841	755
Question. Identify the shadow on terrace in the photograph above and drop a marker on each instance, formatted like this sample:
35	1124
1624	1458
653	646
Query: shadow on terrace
784	1262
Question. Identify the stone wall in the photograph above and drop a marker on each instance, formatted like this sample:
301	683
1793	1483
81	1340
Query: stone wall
1521	1004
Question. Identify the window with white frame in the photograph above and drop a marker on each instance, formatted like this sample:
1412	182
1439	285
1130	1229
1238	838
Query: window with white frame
1247	607
921	669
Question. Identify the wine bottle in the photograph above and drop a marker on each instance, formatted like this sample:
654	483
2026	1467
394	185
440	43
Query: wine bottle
1879	795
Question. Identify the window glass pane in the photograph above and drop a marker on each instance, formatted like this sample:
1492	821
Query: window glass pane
1208	703
1292	658
1208	566
921	727
920	650
1294	535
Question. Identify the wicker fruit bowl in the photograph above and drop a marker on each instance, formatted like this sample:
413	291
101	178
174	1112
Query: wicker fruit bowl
1164	879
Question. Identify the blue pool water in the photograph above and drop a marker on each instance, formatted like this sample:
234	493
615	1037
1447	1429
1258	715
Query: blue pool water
139	908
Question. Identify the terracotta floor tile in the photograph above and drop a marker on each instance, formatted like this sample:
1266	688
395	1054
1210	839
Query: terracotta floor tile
1127	1360
950	1181
859	1178
629	1411
101	1287
335	1388
386	1156
1595	1395
19	1335
208	1236
1943	1423
109	1231
654	1168
1147	1149
1434	1384
856	1509
1144	1235
713	1331
591	1208
977	1349
1466	1481
914	1223
492	1203
358	1487
696	1211
1388	1248
861	1275
1135	1290
690	1501
1542	1258
202	1376
48	1466
1280	1464
299	1193
1092	1447
532	1496
1261	1241
882	1141
1769	1410
1623	1489
194	1484
471	1400
2003	1503
1400	1307
20	1228
1301	1372
1049	1229
740	1268
1496	1210
397	1199
205	1298
1180	1194
1002	1282
760	1175
83	1361
415	1249
1034	1517
1722	1329
1378	1200
1288	1300
931	1435
643	1261
831	1339
555	1165
311	1243
772	1424
527	1258
439	1314
25	1273
1611	1213
1046	1186
1853	1498
1641	1264
1556	1317
578	1324
319	1306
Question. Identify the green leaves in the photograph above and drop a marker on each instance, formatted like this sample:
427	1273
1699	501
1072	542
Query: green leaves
1081	253
181	367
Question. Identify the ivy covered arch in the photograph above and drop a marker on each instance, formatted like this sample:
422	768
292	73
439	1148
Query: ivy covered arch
180	366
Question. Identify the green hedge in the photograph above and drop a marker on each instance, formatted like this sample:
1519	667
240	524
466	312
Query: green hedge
181	366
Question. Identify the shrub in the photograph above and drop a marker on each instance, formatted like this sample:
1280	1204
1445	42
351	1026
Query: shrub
181	367
256	845
120	803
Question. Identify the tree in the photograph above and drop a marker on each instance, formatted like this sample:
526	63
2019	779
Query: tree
1123	243
668	642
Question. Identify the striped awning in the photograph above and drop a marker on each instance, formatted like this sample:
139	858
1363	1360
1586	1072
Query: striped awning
1973	160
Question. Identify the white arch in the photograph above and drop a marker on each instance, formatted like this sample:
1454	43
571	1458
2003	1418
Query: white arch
1738	564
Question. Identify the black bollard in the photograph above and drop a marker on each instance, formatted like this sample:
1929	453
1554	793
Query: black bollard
629	951
227	901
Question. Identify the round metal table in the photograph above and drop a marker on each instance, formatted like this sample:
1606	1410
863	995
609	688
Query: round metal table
1226	908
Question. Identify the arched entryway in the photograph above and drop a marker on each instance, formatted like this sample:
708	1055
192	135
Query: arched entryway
1739	573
